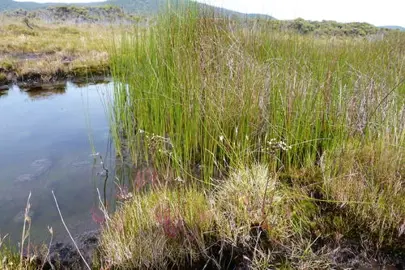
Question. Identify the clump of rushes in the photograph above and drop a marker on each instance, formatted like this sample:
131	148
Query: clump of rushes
219	90
207	98
158	230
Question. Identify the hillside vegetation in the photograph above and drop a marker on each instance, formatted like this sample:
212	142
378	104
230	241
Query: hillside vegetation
326	28
129	5
106	14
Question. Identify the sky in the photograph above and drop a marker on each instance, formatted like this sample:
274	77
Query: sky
61	1
387	12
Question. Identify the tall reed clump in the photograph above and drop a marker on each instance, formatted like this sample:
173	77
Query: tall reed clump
201	93
203	96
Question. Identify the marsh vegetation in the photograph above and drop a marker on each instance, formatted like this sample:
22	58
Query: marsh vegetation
272	149
252	144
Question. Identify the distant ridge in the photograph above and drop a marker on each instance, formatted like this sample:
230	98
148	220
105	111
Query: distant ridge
140	6
132	6
232	13
394	27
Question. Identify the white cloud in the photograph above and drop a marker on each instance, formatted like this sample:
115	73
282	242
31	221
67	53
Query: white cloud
61	1
387	12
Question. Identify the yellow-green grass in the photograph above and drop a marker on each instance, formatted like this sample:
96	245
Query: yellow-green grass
44	37
208	98
253	217
53	50
9	259
251	214
158	230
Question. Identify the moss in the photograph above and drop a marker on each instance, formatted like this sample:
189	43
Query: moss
3	78
87	70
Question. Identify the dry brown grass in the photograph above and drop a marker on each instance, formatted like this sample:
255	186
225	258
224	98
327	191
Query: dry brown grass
368	182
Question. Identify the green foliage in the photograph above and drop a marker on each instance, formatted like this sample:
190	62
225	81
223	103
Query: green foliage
218	95
302	26
326	28
9	257
62	11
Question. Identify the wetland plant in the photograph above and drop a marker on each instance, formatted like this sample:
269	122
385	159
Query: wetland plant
291	146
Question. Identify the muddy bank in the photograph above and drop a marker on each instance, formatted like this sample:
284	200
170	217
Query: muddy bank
31	70
349	255
65	256
39	80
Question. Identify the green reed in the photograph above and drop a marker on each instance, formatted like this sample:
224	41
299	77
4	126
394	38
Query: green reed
200	94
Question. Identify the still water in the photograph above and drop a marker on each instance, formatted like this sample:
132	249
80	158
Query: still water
47	138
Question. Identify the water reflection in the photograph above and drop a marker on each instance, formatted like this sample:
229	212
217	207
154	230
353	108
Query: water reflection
47	141
45	92
3	93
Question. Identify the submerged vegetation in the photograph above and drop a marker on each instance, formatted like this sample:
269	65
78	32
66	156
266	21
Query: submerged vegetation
273	149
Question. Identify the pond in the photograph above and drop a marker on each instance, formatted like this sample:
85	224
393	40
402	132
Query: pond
47	141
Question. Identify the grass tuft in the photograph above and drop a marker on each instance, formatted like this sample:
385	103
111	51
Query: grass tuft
157	230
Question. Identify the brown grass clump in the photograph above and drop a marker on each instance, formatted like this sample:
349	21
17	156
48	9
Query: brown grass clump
266	222
368	183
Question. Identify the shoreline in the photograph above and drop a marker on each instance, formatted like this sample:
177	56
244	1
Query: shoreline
34	80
